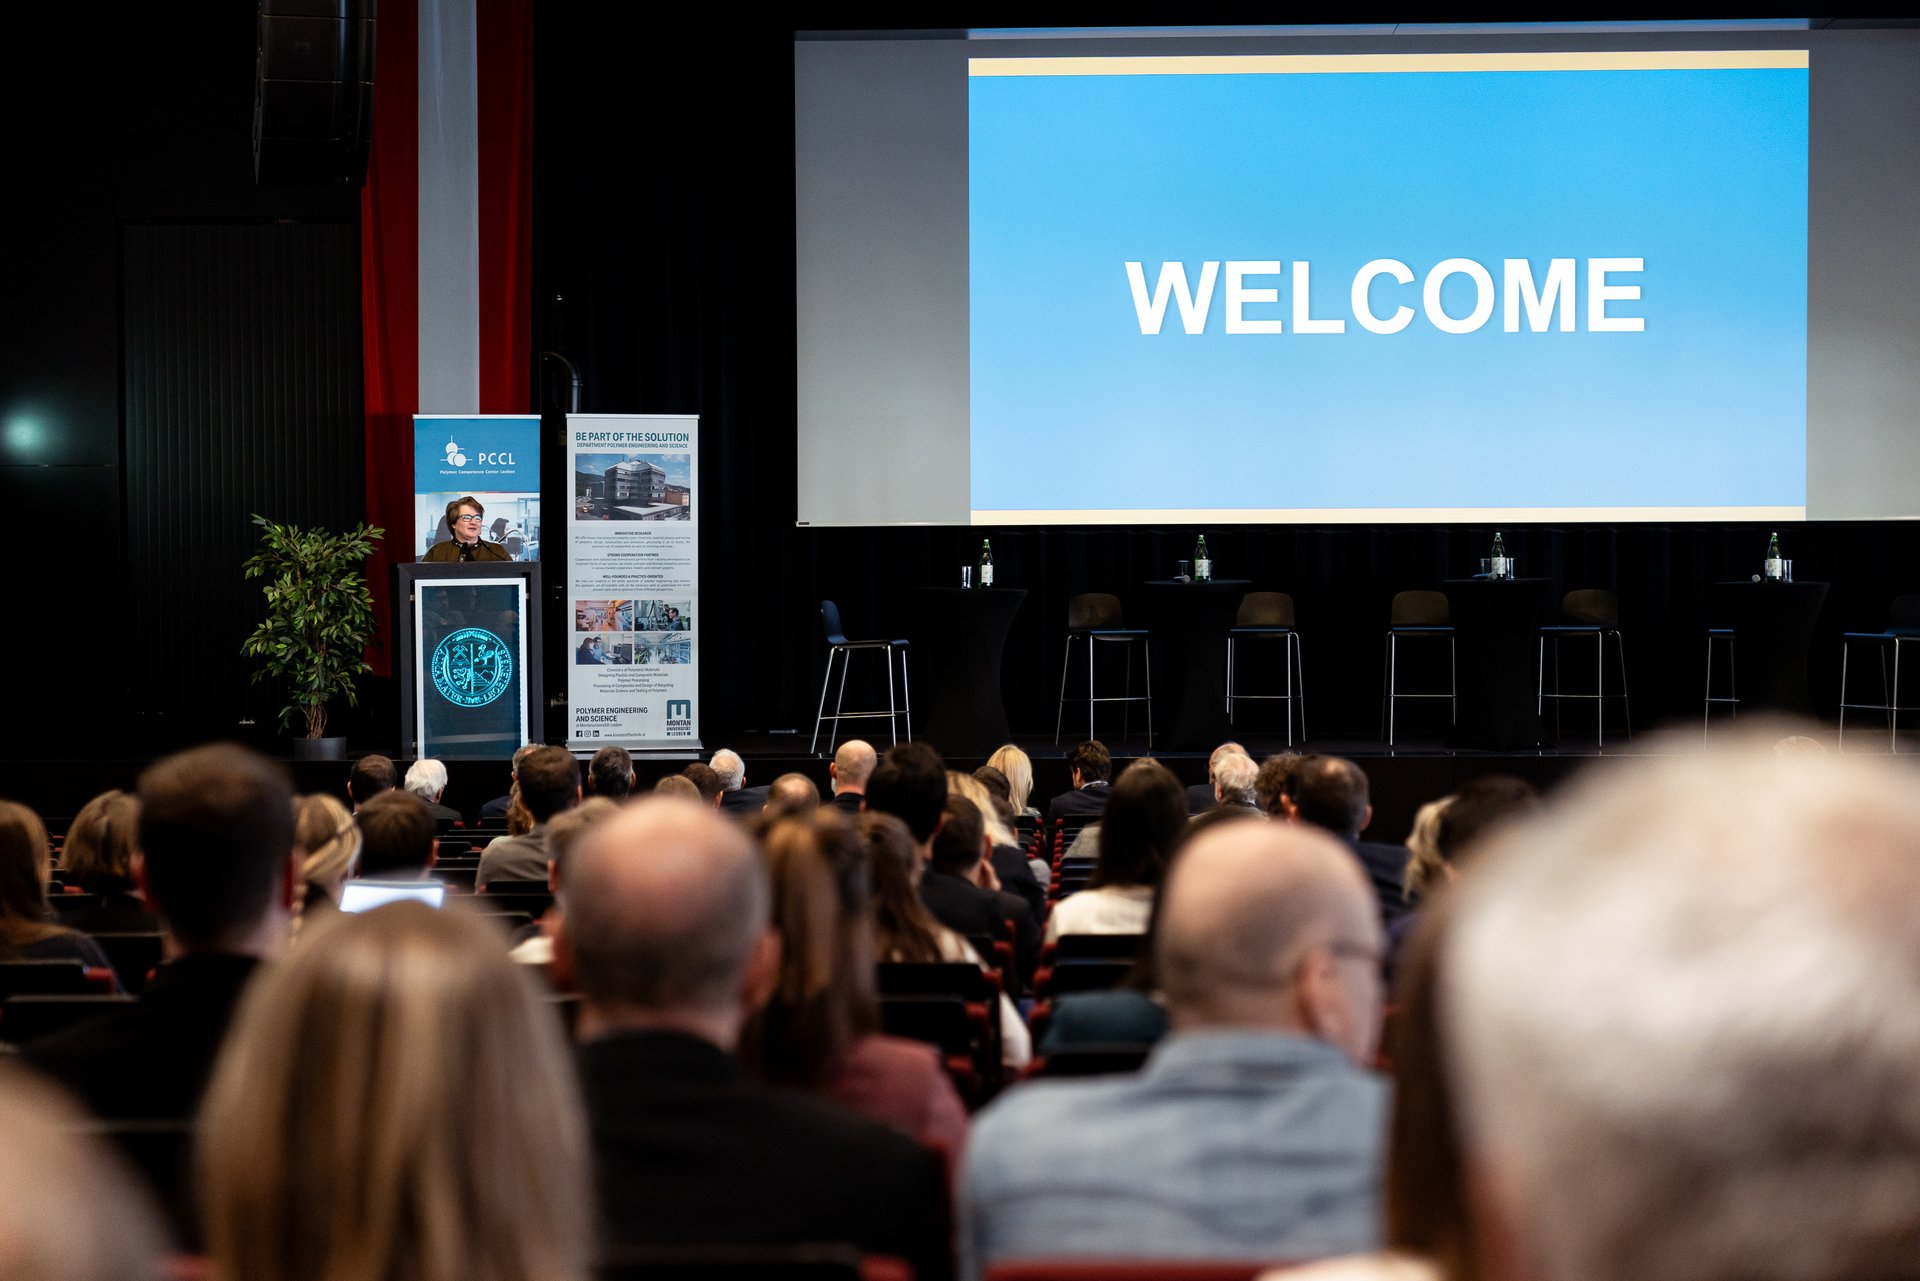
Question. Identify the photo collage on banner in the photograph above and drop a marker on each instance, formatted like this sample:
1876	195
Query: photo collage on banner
634	548
494	458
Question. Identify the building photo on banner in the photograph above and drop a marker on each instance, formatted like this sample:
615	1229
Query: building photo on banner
633	547
494	458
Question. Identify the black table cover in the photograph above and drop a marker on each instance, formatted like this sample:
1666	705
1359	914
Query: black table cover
1773	630
1189	622
1496	628
958	638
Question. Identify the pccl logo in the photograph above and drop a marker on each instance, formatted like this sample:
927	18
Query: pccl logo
496	458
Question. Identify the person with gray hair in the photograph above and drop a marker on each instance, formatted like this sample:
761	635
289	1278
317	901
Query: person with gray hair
1254	1131
1681	1005
665	932
735	796
1233	778
1200	796
427	779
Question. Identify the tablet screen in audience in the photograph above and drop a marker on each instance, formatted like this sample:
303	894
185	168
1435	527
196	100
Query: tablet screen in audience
364	896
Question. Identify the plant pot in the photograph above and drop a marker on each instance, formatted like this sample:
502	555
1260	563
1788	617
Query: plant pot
317	749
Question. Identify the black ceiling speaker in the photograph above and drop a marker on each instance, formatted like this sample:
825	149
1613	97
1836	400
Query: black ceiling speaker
313	92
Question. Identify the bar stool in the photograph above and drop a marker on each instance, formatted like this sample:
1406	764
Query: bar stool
1903	625
1415	615
1723	636
1588	612
1096	616
838	646
1269	616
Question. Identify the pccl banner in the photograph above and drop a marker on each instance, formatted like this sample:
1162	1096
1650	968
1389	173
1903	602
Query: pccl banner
633	533
492	457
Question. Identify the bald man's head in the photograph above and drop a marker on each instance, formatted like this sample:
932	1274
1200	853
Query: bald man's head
665	904
852	765
1271	927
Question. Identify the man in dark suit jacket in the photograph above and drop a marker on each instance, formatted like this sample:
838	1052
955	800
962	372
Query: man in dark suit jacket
736	798
216	833
1200	797
1332	793
965	897
669	952
1090	765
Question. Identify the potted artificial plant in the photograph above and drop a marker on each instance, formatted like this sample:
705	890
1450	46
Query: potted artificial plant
318	625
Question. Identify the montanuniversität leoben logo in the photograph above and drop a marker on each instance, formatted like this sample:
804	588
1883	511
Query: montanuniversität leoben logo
472	667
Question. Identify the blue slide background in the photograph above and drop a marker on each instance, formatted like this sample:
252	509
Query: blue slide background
1702	173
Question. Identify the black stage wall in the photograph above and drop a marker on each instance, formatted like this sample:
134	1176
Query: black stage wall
664	224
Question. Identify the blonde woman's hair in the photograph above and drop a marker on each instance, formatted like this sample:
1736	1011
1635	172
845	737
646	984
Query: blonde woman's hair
1013	762
1424	864
100	840
395	1101
974	790
327	838
53	1171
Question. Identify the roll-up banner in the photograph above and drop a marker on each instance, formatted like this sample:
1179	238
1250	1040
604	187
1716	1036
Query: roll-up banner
494	458
634	567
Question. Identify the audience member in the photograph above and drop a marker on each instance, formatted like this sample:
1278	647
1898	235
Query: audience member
1201	797
735	797
1233	779
534	946
1273	785
395	1101
1000	791
1144	820
1089	766
427	779
371	775
1129	1014
1332	793
27	928
1426	870
610	773
218	864
963	894
1253	1132
790	795
707	781
327	840
905	933
820	1029
1011	870
910	783
548	782
1680	1005
98	857
68	1210
1018	768
680	787
496	809
851	768
397	841
666	933
1480	809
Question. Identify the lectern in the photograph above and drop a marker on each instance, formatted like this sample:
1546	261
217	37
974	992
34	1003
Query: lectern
470	658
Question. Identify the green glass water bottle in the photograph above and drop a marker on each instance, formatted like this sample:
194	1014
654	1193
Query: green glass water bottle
986	563
1202	564
1775	571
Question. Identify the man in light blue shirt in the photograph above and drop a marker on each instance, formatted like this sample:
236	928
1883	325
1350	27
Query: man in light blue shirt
1254	1133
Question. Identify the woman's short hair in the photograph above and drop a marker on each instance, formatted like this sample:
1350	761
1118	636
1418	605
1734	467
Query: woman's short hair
453	508
327	838
396	1101
101	839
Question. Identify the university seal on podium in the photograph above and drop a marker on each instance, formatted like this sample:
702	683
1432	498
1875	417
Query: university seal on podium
472	667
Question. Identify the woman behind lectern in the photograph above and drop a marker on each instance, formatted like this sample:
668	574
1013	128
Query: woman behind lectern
463	518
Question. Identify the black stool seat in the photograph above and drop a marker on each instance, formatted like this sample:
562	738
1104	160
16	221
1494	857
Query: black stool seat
841	647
